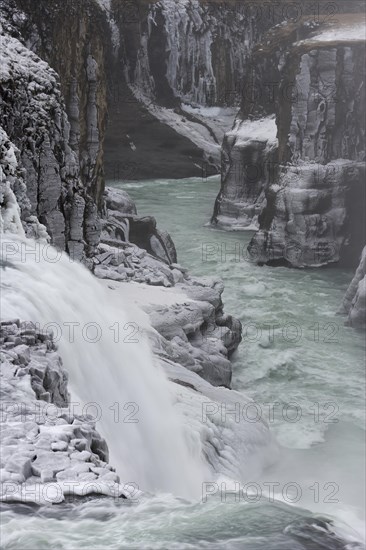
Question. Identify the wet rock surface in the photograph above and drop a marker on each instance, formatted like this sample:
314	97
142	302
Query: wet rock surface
51	183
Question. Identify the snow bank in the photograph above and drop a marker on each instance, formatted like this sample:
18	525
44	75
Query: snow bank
342	33
264	129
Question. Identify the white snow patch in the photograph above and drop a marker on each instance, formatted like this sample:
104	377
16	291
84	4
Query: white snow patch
264	129
10	221
217	119
342	33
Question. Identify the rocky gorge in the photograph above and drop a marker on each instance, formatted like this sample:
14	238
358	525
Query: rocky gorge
52	191
101	89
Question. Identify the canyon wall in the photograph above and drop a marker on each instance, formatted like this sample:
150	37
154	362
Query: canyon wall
56	116
315	208
136	65
301	182
178	77
194	51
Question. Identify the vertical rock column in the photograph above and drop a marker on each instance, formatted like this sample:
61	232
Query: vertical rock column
314	214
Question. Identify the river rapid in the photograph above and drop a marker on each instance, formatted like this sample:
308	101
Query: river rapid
305	371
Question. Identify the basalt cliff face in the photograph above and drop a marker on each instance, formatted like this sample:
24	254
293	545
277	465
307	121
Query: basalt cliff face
293	165
62	154
314	211
253	151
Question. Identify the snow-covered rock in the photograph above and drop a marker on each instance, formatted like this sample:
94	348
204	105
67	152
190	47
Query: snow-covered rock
48	185
13	193
249	165
121	223
194	329
316	214
48	446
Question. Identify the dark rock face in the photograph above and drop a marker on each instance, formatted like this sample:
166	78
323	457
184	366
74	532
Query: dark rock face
34	120
189	50
171	53
75	39
58	126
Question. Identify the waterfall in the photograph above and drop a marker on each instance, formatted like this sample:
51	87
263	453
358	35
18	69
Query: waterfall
107	365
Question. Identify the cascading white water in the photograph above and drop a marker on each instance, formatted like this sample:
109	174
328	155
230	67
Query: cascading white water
103	368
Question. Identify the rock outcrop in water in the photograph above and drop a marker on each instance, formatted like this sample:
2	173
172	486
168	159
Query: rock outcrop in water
249	162
315	209
307	196
121	222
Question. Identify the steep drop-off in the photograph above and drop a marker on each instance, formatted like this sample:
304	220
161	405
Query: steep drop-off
315	209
